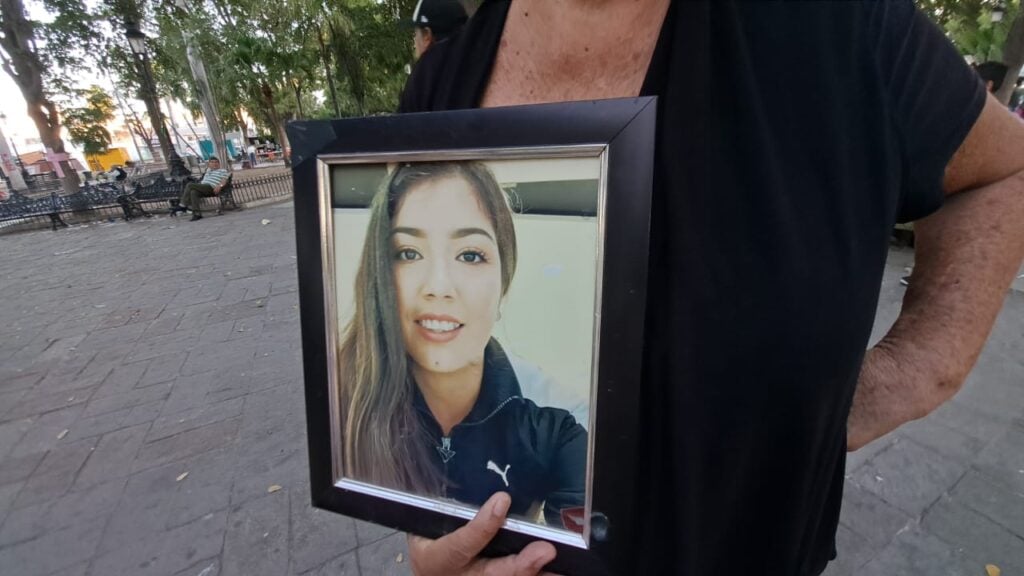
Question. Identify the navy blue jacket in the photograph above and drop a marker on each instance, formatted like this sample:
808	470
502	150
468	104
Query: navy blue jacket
508	443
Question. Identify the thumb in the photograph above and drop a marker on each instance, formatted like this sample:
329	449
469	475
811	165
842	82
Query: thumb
462	546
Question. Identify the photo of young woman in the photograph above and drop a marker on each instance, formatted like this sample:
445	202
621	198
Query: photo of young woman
429	400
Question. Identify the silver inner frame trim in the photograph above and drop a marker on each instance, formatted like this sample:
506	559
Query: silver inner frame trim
458	510
324	164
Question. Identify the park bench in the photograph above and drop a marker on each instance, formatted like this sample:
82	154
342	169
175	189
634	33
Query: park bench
225	200
89	197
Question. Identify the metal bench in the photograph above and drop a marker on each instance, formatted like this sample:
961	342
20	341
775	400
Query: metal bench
89	197
225	199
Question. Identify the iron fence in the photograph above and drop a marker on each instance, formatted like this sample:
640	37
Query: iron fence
99	202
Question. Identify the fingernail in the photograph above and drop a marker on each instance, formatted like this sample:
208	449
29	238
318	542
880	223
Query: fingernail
501	504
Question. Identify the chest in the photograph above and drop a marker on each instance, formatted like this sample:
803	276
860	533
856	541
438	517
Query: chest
488	459
552	52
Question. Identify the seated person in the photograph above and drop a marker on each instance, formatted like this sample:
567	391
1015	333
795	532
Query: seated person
211	185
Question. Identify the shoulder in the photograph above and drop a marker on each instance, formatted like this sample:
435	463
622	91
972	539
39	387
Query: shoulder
549	428
544	391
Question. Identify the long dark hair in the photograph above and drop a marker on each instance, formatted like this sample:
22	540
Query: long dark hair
384	440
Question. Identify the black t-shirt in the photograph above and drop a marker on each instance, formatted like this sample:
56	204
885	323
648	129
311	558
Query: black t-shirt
791	137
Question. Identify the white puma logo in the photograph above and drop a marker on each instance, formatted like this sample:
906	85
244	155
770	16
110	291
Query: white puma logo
503	473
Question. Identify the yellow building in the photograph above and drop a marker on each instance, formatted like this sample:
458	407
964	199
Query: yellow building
104	162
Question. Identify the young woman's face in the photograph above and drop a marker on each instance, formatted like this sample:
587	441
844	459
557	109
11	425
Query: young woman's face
447	274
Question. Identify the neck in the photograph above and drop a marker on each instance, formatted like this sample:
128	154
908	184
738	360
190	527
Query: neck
450	395
589	17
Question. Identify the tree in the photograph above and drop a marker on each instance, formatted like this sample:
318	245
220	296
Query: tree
37	56
977	31
86	125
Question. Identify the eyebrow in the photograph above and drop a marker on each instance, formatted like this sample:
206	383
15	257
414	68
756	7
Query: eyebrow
459	233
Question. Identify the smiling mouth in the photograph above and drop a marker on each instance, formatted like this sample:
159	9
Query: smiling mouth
439	326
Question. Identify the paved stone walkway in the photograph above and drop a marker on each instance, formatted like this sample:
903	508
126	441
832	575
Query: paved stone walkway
151	421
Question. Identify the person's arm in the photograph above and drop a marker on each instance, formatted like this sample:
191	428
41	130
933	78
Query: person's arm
966	256
220	186
567	475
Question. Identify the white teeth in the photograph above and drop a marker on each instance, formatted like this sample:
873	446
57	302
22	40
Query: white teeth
439	325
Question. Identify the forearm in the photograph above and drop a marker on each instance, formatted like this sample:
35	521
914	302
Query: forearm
966	256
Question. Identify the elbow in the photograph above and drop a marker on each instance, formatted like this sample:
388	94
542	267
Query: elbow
941	388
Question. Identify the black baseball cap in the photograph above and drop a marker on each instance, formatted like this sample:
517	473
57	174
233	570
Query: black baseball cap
438	15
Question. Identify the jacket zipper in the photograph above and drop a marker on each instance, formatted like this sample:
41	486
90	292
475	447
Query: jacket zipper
446	441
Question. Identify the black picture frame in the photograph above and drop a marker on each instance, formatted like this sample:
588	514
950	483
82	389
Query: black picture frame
624	130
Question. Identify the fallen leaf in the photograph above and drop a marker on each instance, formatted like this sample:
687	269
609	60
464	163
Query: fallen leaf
401	557
71	399
265	221
181	477
62	434
273	488
992	570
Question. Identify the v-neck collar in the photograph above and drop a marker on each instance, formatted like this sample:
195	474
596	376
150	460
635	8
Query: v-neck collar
483	59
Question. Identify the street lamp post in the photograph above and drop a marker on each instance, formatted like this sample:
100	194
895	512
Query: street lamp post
137	42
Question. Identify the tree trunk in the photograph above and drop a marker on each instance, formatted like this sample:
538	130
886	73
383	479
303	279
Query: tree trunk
236	115
1013	57
147	139
325	59
23	65
298	99
136	126
268	100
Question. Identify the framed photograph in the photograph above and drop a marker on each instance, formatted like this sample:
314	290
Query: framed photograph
472	288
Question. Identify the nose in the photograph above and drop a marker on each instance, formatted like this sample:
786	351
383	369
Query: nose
439	281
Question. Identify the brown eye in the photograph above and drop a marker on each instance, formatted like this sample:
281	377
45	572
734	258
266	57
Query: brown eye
408	254
472	257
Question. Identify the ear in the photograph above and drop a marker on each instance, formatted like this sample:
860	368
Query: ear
428	36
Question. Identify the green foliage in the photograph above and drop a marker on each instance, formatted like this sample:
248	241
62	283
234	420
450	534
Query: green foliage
62	40
971	26
86	124
286	60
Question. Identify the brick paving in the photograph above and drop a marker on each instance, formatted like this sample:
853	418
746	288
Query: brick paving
151	421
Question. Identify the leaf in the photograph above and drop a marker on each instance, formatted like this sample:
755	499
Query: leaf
62	434
992	570
181	477
273	489
401	557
